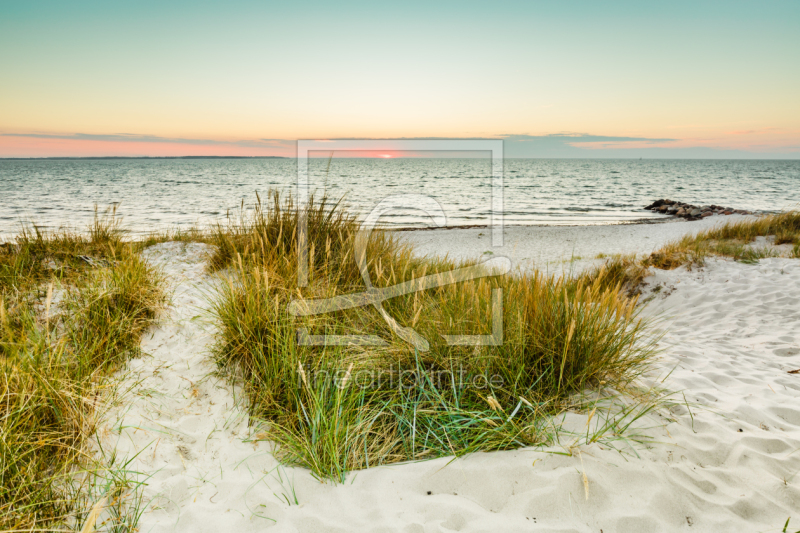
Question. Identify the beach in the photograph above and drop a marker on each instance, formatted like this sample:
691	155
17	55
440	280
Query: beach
558	249
405	267
722	454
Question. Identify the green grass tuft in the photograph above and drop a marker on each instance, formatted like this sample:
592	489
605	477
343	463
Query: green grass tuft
65	323
334	409
730	240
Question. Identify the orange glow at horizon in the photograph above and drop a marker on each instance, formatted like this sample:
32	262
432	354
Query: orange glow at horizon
35	147
757	141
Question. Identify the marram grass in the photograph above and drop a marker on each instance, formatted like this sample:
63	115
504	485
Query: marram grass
334	409
66	322
731	240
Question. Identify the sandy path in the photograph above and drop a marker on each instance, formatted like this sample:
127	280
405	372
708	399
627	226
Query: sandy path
733	333
187	423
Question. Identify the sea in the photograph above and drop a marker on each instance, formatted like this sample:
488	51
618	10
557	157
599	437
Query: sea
157	194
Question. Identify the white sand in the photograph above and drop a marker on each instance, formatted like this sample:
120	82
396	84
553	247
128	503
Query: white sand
733	333
556	248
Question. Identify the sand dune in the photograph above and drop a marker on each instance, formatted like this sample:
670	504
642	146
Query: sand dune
731	464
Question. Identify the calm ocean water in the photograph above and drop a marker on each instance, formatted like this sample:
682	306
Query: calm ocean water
154	194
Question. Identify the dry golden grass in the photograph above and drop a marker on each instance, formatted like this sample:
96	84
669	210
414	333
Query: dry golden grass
730	240
74	306
560	336
338	408
65	323
624	271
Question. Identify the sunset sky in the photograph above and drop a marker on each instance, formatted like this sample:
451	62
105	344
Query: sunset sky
555	79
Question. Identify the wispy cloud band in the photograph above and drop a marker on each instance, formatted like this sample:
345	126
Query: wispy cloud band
555	145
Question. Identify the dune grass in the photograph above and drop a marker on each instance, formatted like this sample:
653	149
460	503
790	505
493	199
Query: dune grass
73	307
731	240
334	409
624	271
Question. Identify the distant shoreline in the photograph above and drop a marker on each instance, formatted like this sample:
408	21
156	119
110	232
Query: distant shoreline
548	158
145	157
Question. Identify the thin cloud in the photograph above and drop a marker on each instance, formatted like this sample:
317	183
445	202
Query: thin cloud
755	132
517	145
571	138
132	137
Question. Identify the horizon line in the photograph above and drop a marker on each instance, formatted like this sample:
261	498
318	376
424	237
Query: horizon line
89	158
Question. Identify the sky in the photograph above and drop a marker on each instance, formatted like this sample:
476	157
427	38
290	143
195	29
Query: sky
682	79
